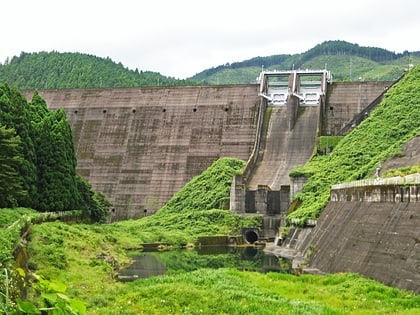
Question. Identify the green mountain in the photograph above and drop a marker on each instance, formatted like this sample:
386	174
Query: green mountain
54	70
346	61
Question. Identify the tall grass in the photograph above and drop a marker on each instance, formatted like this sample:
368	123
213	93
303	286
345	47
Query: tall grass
87	259
229	291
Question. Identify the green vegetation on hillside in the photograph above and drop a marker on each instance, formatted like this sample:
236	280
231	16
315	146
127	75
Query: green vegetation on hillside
54	70
394	121
346	61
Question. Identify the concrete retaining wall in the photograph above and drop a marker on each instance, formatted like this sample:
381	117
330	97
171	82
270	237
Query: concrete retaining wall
380	240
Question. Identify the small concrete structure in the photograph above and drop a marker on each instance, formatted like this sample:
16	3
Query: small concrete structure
307	85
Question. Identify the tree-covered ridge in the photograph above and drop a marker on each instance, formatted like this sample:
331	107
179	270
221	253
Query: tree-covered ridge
394	122
54	70
346	61
37	159
340	47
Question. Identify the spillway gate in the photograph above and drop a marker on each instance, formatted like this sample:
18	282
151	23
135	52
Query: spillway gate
290	114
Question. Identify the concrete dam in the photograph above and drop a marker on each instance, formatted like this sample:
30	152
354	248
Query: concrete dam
141	145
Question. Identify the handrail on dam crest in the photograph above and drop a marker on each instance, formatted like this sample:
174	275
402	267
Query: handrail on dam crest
398	180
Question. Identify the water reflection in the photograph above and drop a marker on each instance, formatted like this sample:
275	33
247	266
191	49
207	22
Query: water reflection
142	266
148	264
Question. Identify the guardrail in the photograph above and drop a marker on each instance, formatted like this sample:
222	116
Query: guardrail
398	180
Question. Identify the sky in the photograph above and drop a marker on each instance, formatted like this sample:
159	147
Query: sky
180	38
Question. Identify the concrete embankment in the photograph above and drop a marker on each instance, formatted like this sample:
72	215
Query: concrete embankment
345	100
378	240
372	230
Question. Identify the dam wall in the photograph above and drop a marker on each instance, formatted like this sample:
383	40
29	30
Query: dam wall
345	100
141	145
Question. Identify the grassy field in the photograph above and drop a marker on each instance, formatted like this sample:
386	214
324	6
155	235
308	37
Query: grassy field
80	263
87	258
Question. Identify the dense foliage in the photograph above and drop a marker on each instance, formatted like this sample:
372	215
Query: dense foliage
340	47
394	121
37	158
54	70
10	161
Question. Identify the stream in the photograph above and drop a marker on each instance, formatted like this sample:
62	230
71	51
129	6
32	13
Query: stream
155	263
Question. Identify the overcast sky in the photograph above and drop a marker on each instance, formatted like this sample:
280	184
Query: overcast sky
180	38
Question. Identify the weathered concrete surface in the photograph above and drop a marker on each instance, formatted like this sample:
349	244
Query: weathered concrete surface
380	240
347	99
141	145
284	148
410	157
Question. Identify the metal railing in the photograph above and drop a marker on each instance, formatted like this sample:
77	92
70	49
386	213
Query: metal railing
398	180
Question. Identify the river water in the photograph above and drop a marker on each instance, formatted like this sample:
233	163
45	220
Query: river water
149	264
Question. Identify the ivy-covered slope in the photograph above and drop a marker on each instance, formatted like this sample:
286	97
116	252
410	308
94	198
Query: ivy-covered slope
199	208
394	122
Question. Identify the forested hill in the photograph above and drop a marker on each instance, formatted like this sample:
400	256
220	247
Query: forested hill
346	61
54	70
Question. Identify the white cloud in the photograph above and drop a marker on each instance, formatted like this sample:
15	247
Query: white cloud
181	38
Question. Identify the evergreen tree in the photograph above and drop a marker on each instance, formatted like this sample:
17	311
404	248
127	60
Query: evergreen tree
11	184
38	161
15	113
51	70
94	204
38	108
56	164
